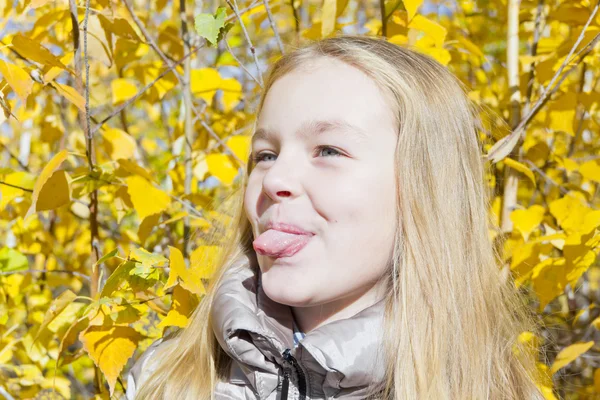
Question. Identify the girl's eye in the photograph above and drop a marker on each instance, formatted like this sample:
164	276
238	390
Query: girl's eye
261	156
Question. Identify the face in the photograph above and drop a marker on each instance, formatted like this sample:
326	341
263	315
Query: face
326	166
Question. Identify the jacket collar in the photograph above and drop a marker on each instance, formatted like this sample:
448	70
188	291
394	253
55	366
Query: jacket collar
254	330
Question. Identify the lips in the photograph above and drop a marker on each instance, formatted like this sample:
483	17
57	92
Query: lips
286	227
278	243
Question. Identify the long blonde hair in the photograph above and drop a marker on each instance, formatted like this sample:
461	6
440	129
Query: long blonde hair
452	320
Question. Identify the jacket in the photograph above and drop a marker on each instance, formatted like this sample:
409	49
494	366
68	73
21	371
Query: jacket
336	360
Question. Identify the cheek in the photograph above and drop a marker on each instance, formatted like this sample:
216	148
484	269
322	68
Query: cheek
251	195
365	212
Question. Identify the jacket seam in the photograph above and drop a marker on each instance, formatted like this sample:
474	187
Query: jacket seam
257	390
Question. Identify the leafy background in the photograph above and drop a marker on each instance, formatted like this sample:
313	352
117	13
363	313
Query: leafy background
124	124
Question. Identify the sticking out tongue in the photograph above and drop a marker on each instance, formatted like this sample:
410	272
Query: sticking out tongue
275	243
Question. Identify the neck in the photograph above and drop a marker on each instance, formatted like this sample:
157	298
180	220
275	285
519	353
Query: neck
312	317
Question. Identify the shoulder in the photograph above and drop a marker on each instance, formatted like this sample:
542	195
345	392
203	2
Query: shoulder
141	369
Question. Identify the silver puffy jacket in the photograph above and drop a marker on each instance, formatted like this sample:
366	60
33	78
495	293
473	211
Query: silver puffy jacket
337	360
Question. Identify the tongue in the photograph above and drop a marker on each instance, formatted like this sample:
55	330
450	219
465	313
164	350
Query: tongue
278	244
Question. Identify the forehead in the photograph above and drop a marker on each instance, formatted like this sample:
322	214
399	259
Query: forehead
329	95
313	127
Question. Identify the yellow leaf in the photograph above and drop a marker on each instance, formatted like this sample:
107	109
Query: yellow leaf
122	90
56	192
373	25
579	254
175	217
57	306
61	384
521	168
146	199
240	145
17	79
118	144
591	170
524	257
151	71
181	308
432	29
549	280
526	221
573	215
561	113
596	323
328	17
411	7
569	354
221	167
439	54
572	14
398	39
146	258
530	339
204	83
60	182
187	278
70	94
118	26
65	318
110	347
470	46
203	260
232	93
200	170
21	179
132	168
146	227
34	51
53	72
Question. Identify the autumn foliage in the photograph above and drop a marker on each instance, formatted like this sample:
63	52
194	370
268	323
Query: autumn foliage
125	123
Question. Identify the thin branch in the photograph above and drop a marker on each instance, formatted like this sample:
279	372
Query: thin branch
240	63
125	104
85	121
296	20
188	126
273	26
512	139
567	59
534	46
25	167
16	187
188	206
171	66
383	18
252	48
4	393
553	182
588	48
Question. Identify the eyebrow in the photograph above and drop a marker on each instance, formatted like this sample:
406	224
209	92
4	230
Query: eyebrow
315	127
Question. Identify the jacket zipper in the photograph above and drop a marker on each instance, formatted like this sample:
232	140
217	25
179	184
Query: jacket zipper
301	379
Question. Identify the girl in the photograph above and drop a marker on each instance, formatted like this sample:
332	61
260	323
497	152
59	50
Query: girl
359	265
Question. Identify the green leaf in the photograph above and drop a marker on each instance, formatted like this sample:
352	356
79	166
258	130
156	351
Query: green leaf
145	272
119	274
209	26
146	258
107	256
12	260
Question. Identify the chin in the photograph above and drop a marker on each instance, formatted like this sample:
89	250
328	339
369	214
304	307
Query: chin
286	291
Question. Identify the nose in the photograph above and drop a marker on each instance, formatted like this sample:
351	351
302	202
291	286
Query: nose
282	179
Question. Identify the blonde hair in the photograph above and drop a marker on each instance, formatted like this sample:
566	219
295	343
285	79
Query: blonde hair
452	321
